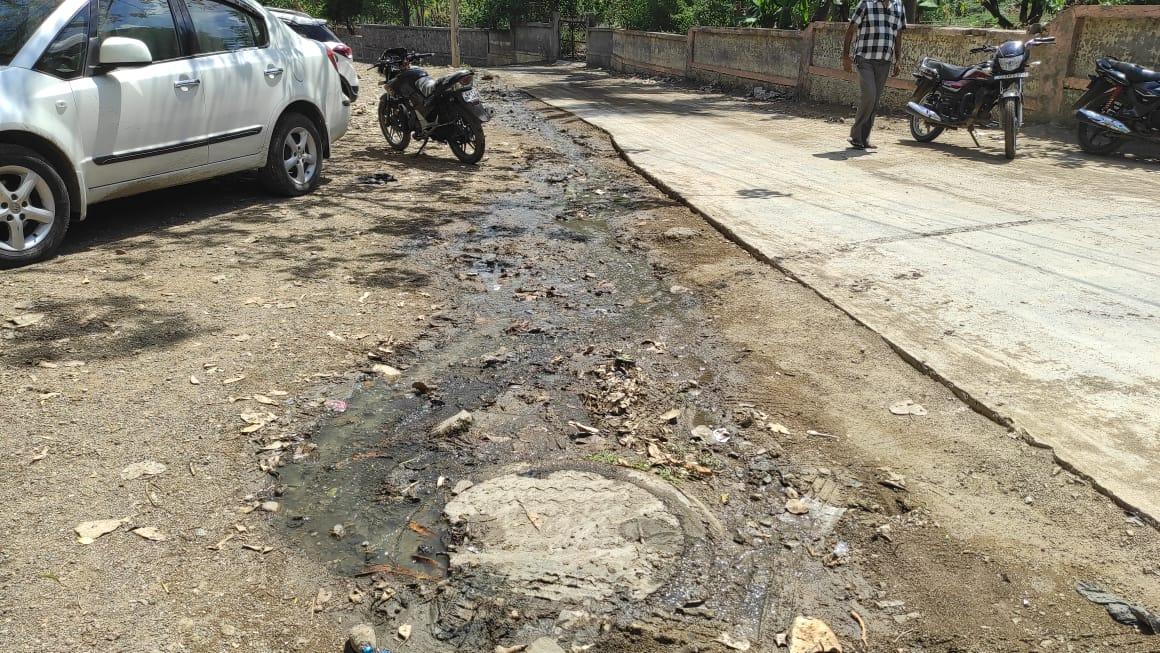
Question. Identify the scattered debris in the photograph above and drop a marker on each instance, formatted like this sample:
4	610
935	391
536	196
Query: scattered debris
377	179
404	632
671	416
335	405
88	532
809	635
681	233
461	487
270	506
149	533
386	371
1126	613
143	468
22	321
322	598
361	638
908	407
457	423
735	643
861	629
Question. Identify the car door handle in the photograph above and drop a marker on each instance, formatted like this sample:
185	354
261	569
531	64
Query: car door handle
187	84
274	73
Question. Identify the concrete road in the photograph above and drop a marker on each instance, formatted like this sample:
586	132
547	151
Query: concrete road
1033	286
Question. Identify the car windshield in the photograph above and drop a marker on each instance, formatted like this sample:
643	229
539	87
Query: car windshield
19	19
316	32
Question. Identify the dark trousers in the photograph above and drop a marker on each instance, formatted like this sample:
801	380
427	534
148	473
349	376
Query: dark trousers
872	76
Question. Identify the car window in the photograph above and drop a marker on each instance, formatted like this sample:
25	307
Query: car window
223	28
150	21
65	56
19	19
315	32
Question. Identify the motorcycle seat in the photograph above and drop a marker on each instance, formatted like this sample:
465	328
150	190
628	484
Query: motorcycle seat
949	72
1133	72
426	86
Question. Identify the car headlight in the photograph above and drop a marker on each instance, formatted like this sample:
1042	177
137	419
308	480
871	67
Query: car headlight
1011	63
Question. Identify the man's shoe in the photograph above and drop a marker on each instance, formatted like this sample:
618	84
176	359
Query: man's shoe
855	144
870	146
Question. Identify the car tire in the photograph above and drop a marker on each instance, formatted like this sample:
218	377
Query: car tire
294	160
28	182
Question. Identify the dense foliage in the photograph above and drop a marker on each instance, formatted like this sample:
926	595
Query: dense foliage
679	15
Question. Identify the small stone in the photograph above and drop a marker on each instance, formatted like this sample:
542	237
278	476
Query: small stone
386	371
460	421
681	233
796	507
544	645
271	506
361	636
229	631
338	531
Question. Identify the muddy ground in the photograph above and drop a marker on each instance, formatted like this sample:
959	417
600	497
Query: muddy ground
649	407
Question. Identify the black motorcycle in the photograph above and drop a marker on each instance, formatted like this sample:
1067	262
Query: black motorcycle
951	97
415	105
1122	103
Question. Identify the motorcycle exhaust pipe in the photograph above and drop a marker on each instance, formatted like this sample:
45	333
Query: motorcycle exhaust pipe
923	112
1100	120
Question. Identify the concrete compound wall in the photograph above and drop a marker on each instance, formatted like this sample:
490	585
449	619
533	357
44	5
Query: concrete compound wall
648	52
533	43
599	47
809	61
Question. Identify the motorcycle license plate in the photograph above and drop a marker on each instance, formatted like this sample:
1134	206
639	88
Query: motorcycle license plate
471	95
1011	76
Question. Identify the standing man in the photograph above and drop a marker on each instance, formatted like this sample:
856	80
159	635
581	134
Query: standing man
879	25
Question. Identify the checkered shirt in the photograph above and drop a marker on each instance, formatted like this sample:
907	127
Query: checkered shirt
878	26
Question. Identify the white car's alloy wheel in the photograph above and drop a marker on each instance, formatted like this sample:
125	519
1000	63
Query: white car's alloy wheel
300	156
27	209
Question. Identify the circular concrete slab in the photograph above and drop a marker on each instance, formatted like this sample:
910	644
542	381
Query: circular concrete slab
567	535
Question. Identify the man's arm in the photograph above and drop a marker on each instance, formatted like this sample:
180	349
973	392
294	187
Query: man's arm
847	61
898	53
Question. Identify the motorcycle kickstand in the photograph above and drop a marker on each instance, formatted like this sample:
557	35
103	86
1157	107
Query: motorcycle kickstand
974	138
421	147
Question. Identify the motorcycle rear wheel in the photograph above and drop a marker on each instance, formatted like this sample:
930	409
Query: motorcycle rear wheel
923	131
1010	129
1094	140
394	123
469	143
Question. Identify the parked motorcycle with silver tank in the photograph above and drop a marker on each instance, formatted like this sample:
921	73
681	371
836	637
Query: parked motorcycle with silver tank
415	105
952	97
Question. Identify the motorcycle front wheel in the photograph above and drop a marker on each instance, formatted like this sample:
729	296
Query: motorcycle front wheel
1094	140
469	142
1010	129
393	120
923	131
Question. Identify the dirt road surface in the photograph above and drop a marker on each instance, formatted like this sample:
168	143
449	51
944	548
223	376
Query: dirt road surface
1031	286
366	399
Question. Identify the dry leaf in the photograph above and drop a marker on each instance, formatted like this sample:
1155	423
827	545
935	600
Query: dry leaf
796	507
194	380
405	632
263	399
150	533
40	456
671	416
777	428
908	407
88	532
809	635
386	371
143	468
26	320
233	380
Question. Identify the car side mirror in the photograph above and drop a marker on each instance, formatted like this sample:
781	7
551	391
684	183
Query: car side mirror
121	52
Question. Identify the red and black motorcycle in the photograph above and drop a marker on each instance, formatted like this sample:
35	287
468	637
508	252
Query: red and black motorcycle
952	97
1122	103
416	105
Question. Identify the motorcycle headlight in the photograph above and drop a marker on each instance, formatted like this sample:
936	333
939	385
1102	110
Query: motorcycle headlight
1011	63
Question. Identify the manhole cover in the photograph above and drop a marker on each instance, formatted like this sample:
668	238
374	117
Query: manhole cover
569	535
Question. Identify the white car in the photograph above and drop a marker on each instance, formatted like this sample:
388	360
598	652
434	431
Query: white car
106	98
317	29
